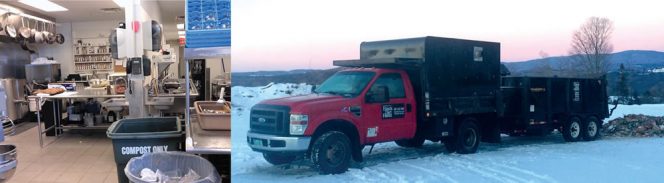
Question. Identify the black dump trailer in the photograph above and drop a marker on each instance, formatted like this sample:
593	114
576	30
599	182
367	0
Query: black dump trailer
538	105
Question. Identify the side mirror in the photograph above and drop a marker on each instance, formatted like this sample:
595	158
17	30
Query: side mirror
378	94
314	87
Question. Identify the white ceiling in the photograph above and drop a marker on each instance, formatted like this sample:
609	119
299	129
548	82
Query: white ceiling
90	10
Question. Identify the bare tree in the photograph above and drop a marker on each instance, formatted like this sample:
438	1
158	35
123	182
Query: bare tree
591	47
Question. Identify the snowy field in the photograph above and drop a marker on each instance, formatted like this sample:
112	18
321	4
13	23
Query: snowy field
532	159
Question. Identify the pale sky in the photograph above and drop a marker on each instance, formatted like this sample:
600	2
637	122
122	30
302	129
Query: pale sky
309	34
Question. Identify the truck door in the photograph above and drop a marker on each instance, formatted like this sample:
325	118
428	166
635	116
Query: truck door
394	119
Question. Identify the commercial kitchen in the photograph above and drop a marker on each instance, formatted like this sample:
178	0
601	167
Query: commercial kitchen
97	91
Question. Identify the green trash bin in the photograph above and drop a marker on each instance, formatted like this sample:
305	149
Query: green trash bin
135	137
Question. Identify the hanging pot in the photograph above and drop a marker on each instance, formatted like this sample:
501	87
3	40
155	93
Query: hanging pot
51	36
59	38
9	28
24	31
39	36
33	33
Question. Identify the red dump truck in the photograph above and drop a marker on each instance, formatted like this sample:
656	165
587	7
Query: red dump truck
445	90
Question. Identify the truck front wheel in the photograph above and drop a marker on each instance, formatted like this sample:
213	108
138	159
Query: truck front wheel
467	137
414	142
331	153
572	130
278	159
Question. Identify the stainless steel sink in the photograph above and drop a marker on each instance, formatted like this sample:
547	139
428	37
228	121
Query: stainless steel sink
160	103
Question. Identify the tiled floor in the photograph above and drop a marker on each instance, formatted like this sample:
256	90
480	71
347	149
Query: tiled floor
71	158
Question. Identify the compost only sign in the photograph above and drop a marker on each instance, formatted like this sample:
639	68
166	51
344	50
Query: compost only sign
142	149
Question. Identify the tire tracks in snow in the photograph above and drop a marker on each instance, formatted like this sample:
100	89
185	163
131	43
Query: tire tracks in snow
438	174
494	167
487	172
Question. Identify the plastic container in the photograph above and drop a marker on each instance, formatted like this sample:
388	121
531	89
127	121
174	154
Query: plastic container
174	165
135	137
213	121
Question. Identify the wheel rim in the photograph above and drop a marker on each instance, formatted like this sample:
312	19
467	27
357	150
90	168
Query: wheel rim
574	129
471	138
335	153
592	128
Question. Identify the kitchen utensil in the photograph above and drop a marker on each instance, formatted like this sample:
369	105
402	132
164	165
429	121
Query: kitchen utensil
98	83
39	35
51	36
10	29
24	31
59	38
44	32
213	115
33	32
171	85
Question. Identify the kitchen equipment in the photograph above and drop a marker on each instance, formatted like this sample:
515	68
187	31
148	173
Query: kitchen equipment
39	35
8	161
213	115
98	83
24	31
120	84
88	119
59	38
12	91
171	85
43	73
50	37
33	32
9	28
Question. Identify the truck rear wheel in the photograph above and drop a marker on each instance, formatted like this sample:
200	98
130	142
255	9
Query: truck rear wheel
572	130
467	138
278	159
414	142
591	128
331	153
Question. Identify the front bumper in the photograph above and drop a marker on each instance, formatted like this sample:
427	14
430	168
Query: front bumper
273	143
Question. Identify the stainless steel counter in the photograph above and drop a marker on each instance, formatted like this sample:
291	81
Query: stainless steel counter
81	94
201	141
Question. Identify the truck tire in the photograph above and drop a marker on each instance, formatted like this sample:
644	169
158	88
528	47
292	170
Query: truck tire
278	159
591	128
331	153
572	130
450	146
467	138
414	142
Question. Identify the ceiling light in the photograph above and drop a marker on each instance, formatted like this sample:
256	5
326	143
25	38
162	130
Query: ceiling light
180	32
44	5
180	26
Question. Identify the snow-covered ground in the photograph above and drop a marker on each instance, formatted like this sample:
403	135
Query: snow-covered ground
532	159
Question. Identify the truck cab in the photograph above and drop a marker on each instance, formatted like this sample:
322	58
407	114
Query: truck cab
370	105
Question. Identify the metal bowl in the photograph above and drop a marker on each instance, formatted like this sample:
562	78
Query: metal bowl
7	153
7	170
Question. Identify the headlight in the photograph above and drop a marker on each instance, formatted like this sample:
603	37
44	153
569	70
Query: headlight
298	124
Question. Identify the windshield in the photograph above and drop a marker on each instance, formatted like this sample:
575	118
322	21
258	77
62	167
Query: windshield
347	84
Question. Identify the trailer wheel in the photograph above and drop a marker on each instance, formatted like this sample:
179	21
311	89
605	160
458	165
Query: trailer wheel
331	153
277	159
591	128
467	137
414	142
572	130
